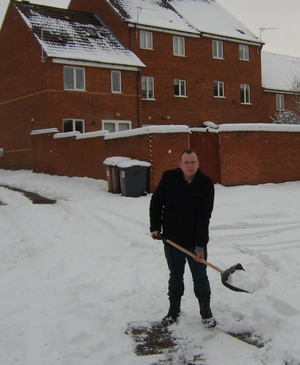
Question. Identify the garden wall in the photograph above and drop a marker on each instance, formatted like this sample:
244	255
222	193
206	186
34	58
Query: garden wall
246	153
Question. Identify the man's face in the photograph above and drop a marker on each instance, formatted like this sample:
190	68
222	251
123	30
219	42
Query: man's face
189	165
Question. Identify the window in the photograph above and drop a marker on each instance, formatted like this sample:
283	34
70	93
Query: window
73	125
74	78
178	46
147	87
245	94
244	52
219	89
91	32
116	82
217	49
280	102
116	125
146	40
179	88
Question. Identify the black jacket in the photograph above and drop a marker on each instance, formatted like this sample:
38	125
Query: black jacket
182	210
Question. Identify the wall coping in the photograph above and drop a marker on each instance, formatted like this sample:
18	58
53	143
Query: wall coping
43	131
257	127
250	127
238	127
149	130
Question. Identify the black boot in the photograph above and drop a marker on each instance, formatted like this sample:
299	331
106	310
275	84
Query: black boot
173	313
206	315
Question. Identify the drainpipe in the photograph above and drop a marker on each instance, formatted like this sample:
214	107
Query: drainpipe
138	97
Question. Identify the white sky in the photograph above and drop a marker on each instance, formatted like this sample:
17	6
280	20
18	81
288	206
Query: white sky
254	14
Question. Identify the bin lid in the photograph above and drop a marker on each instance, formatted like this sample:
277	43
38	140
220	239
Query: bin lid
129	163
114	160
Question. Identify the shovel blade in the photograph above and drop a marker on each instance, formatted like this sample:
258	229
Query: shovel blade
225	275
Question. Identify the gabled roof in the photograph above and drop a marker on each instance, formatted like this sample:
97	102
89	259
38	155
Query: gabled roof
75	35
279	71
193	16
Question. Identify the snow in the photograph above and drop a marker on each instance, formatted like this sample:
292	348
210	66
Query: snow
279	71
113	161
75	273
190	16
76	45
125	164
209	17
149	130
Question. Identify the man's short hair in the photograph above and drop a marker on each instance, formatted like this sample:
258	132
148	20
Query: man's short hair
188	151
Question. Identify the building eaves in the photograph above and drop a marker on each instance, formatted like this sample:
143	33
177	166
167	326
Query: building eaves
69	34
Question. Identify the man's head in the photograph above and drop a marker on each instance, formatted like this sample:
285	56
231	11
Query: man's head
189	163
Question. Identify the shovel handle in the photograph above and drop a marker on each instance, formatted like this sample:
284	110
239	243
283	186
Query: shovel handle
193	255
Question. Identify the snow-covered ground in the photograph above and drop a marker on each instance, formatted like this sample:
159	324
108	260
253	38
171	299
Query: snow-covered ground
74	274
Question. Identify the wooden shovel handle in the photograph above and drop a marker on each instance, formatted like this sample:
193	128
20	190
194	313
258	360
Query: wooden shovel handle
192	255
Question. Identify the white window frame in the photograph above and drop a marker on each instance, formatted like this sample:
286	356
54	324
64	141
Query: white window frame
118	75
218	49
245	94
280	102
219	87
74	122
147	84
181	84
146	40
244	52
178	46
116	124
75	80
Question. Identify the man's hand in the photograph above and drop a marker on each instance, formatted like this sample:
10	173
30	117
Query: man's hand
199	256
155	234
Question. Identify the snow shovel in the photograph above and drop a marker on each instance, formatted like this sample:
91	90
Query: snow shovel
224	274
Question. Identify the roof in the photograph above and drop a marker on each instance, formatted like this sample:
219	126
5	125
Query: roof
279	71
75	35
192	16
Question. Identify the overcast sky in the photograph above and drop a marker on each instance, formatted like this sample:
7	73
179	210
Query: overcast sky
254	14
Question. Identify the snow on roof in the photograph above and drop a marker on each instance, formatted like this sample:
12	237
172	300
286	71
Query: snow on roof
75	35
194	16
279	71
151	13
209	17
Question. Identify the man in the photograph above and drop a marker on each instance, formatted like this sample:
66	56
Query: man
181	208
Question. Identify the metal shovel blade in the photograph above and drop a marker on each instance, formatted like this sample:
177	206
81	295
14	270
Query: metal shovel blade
225	275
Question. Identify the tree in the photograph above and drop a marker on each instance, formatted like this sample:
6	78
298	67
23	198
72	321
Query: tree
292	115
286	117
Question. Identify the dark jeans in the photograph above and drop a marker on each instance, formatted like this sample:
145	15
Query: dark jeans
176	260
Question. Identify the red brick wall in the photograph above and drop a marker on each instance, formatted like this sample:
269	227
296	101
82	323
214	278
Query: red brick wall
259	157
247	157
199	69
84	157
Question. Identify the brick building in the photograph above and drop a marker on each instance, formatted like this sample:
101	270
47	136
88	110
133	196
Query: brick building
61	69
115	65
201	62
